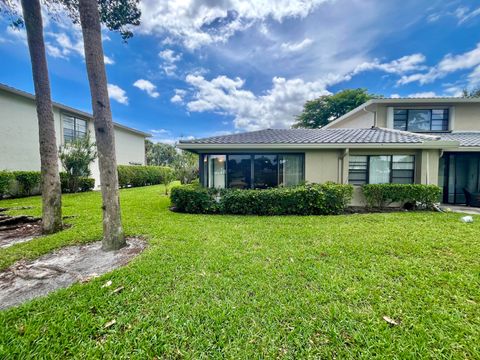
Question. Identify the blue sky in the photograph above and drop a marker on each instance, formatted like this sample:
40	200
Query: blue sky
203	68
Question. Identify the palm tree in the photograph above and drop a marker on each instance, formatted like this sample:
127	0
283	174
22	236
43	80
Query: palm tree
113	236
51	189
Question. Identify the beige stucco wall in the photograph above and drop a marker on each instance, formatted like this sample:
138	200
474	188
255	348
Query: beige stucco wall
361	119
322	166
467	117
19	147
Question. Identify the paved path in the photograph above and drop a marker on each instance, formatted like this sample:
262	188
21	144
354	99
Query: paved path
462	209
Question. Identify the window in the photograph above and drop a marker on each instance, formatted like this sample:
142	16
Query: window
257	171
73	128
265	171
420	119
216	167
358	170
381	169
290	172
239	171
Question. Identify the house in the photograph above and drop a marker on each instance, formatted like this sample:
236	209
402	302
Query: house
405	140
19	146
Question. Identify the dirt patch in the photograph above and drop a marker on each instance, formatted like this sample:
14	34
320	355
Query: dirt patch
18	229
27	280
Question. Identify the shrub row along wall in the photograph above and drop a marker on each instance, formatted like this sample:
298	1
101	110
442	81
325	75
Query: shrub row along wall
26	183
382	195
312	199
138	175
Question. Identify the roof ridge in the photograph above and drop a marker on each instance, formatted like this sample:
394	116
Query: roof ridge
403	132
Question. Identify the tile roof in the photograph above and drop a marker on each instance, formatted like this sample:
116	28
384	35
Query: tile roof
318	136
465	138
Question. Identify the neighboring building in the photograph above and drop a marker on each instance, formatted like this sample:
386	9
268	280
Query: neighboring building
422	141
19	145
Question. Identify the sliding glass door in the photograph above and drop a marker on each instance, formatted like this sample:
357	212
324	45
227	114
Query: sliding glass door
252	171
461	172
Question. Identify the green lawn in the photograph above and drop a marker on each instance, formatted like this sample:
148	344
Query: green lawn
258	287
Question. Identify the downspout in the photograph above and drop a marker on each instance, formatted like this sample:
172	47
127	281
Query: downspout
341	167
428	167
374	116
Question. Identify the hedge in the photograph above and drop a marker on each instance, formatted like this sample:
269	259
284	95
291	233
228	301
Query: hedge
139	175
6	179
312	199
382	195
26	183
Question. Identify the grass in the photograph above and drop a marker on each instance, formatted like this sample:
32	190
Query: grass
257	287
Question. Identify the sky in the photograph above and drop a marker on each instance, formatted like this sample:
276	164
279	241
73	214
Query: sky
203	68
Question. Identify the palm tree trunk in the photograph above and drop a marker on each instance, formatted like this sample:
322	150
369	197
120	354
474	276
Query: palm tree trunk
113	237
51	190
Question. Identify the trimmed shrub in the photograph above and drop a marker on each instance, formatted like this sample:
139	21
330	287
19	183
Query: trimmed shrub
139	175
382	195
6	178
81	183
194	199
27	181
313	199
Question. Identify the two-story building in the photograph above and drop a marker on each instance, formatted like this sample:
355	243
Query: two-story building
19	146
423	141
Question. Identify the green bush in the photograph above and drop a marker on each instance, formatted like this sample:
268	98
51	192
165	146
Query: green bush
6	178
301	200
136	175
81	183
194	199
382	195
27	181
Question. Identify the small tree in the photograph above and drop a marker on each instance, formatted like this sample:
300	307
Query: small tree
186	167
473	93
167	176
160	154
76	157
319	112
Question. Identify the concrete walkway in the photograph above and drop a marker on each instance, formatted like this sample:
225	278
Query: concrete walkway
462	209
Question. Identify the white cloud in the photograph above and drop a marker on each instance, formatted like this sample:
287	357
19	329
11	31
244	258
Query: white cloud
178	97
427	94
294	47
449	64
395	96
197	22
148	87
169	59
399	66
159	131
116	93
275	108
464	14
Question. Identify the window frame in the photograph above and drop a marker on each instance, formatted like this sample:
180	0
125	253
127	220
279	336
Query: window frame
444	121
75	120
391	169
205	158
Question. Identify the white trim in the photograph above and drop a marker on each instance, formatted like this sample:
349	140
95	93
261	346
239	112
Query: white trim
390	117
451	118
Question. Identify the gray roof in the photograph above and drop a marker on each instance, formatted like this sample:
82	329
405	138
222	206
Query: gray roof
27	95
466	138
318	136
